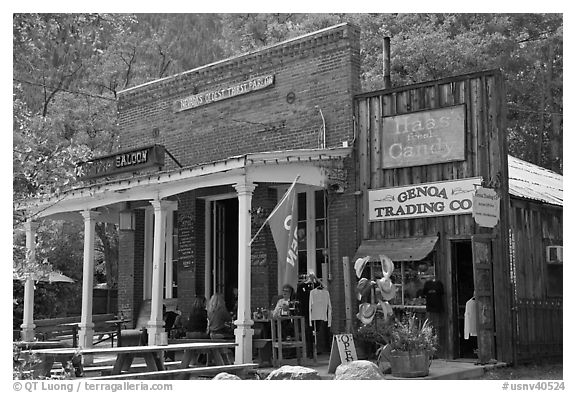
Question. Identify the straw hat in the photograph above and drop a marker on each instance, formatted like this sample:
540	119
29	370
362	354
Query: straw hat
366	313
387	288
363	289
360	264
387	265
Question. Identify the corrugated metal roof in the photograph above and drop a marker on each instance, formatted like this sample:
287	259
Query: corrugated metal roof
530	181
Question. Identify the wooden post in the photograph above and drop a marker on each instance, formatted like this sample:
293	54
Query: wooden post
347	293
156	324
86	333
244	331
27	333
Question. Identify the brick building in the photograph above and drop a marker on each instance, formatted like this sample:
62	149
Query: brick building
205	156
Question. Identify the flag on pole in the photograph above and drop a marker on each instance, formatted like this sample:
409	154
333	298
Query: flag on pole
283	223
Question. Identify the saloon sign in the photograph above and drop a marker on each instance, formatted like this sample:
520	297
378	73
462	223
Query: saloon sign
422	200
124	161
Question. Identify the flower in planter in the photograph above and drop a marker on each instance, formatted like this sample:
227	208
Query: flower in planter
409	335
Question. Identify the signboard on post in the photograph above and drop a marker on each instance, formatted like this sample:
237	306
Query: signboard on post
422	200
343	351
486	207
424	137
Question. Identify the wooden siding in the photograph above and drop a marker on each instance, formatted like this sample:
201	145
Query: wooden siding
533	226
486	155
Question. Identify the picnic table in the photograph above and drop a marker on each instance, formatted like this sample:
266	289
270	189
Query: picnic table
118	323
153	356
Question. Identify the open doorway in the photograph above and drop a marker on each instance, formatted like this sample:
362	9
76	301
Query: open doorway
224	249
463	284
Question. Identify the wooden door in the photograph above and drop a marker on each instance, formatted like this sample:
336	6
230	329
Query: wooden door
482	254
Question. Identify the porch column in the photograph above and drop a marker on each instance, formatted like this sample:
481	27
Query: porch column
27	333
86	332
244	331
156	323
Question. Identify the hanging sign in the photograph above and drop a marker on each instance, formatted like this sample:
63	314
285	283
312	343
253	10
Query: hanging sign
486	207
422	200
124	161
343	351
424	137
210	96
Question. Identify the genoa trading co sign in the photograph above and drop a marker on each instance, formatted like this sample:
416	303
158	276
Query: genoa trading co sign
422	200
424	138
215	95
125	161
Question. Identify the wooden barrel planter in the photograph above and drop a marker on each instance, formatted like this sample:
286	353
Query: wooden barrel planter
409	364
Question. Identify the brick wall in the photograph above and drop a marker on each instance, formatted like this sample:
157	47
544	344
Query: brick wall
321	70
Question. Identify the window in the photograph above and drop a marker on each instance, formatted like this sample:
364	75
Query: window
409	278
312	232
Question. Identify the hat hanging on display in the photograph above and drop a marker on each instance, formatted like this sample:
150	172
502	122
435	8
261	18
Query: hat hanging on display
387	288
363	288
360	264
387	310
387	265
366	313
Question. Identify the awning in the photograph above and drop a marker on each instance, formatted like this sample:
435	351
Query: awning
404	249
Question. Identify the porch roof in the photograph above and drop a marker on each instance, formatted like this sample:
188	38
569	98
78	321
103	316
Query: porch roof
400	249
273	167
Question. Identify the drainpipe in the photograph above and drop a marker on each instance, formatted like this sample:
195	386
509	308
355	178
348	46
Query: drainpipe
386	62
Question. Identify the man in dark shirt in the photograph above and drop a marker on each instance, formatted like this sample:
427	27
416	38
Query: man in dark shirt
433	292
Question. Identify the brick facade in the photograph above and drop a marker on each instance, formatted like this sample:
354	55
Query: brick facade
316	77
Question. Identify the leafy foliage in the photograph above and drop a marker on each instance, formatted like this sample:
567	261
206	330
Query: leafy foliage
408	335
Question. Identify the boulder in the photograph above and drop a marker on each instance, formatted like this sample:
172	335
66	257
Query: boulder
226	376
358	369
296	373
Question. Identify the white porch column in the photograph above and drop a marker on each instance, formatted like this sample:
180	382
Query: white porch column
86	332
28	326
156	323
244	331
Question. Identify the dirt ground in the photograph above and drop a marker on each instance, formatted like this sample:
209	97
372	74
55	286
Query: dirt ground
542	371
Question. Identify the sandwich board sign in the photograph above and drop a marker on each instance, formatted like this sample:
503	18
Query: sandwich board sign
343	351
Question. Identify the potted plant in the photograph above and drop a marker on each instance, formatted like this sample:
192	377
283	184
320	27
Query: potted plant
411	346
368	338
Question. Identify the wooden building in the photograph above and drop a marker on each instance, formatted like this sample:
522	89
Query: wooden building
418	148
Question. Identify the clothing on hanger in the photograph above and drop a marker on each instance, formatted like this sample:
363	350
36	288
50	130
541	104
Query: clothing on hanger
470	326
320	306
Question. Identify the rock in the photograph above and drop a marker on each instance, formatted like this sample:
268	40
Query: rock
358	369
226	376
296	373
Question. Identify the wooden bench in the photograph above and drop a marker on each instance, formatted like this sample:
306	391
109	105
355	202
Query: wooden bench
106	370
66	328
184	373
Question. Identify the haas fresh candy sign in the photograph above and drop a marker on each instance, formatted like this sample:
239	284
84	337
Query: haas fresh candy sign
424	137
422	200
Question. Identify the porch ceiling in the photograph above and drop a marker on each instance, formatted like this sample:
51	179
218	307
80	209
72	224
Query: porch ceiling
270	167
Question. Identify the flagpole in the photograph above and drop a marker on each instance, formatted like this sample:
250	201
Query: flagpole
276	208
